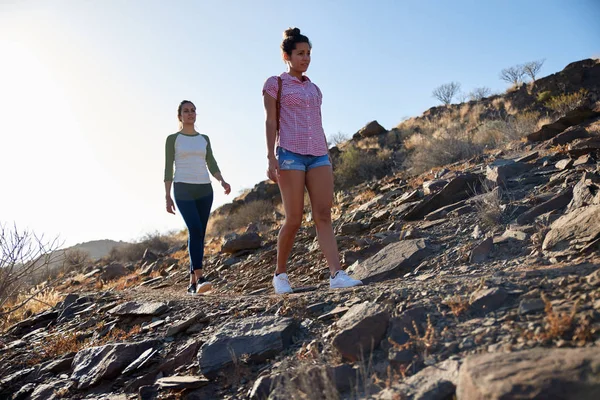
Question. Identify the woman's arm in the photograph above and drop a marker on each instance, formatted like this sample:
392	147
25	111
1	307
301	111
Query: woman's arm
271	133
169	159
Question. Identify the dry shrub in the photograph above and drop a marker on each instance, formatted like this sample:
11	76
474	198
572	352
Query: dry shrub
40	301
355	166
155	242
458	304
494	133
304	380
557	323
255	211
489	207
443	150
564	103
56	345
422	345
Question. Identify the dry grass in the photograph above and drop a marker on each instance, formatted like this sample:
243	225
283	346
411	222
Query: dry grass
458	304
253	212
60	343
355	166
40	302
422	345
489	208
558	324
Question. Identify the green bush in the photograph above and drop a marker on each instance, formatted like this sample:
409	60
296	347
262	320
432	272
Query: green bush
564	103
544	96
355	166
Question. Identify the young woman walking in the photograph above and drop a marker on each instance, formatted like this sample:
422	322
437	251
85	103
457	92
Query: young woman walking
298	158
192	155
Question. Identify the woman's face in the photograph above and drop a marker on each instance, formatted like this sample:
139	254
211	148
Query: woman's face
300	58
188	113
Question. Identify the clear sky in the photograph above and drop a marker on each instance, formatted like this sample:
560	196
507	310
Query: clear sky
89	88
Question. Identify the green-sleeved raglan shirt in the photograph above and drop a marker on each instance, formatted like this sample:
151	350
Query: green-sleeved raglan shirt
192	156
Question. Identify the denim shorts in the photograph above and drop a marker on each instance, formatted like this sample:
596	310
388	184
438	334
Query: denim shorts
293	161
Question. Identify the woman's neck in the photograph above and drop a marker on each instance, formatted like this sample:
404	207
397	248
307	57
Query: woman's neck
188	129
295	74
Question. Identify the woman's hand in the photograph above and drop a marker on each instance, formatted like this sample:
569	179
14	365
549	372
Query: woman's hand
226	186
170	205
273	169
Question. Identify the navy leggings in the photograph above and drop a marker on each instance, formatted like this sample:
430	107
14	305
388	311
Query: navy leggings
194	202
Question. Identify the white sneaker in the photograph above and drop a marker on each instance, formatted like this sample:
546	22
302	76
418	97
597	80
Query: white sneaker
281	283
342	280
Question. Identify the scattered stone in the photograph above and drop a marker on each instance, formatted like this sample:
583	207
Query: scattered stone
181	382
135	308
488	299
362	328
481	251
236	243
572	232
564	164
181	326
93	364
538	373
559	201
392	261
531	306
257	337
501	170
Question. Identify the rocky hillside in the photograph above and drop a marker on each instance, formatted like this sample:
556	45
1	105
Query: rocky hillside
482	281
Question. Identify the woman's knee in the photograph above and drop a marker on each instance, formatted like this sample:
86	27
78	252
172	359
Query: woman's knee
322	215
292	223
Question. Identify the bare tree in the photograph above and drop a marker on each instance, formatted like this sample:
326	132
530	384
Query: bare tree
513	75
23	258
531	68
337	139
76	259
446	92
480	93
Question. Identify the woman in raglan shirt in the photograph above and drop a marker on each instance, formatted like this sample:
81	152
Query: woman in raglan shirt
192	155
298	157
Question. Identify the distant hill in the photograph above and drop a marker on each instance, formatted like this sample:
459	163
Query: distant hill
97	248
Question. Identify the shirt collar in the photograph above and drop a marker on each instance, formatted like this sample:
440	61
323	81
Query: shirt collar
289	77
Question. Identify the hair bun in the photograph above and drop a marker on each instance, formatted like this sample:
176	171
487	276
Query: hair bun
291	32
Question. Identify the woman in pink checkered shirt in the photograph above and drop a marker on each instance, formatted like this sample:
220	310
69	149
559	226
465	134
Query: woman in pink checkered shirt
298	157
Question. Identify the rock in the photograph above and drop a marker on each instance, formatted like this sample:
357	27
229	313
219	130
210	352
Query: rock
564	164
436	382
516	234
528	306
262	388
148	392
569	134
149	256
392	261
93	364
406	321
559	201
501	170
574	117
59	365
361	330
135	308
481	251
401	356
584	146
456	190
185	355
593	279
257	337
586	192
351	228
140	361
572	232
113	271
181	326
181	382
488	299
538	373
584	159
246	241
433	186
442	212
528	157
371	129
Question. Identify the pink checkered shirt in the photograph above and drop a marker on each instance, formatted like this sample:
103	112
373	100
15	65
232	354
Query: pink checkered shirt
300	124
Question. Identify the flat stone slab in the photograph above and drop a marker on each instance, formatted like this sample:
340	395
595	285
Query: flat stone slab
531	374
182	382
392	261
258	338
135	308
